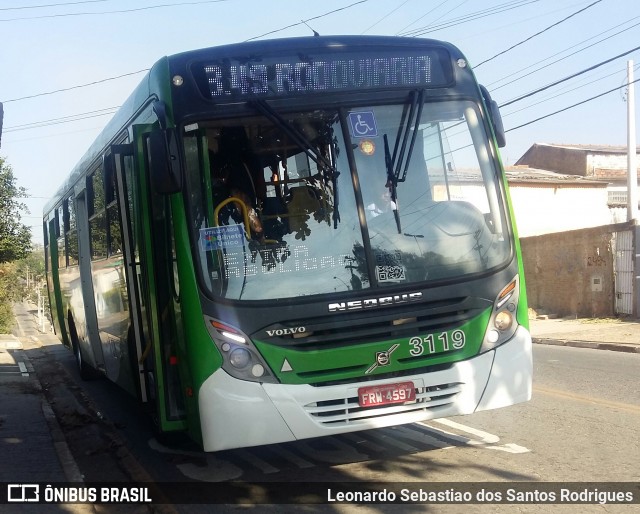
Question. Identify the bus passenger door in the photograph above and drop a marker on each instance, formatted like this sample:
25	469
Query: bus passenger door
122	161
162	306
145	224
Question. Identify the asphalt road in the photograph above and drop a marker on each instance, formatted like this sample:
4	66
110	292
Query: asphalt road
581	426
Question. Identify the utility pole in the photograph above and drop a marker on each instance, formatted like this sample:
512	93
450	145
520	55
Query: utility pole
632	165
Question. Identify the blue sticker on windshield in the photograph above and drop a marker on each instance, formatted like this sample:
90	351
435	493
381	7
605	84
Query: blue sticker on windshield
217	238
363	124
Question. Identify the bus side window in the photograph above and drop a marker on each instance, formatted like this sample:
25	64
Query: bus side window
60	233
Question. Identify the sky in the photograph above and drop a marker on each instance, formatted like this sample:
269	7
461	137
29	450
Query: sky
66	65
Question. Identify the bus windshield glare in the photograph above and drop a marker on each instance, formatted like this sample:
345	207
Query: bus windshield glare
324	201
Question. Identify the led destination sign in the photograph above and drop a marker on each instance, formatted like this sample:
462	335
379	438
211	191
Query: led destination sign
328	73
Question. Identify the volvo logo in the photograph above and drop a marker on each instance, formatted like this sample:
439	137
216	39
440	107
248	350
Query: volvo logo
381	301
382	359
286	331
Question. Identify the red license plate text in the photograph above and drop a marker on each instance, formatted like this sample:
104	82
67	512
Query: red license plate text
387	394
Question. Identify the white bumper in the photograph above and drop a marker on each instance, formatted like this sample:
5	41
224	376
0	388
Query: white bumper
235	413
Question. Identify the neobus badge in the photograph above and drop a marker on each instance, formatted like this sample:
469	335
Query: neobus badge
382	301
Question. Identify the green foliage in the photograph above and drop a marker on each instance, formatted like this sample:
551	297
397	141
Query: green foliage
21	280
9	292
15	237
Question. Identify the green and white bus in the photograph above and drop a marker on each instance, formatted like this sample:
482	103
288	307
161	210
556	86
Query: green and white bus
278	240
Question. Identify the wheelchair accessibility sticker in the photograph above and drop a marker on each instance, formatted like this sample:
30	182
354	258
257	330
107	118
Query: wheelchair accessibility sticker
363	124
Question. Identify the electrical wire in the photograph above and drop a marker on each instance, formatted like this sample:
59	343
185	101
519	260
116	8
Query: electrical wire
303	22
561	59
537	34
567	108
384	17
508	6
64	119
90	114
22	7
547	98
76	87
582	72
423	16
100	13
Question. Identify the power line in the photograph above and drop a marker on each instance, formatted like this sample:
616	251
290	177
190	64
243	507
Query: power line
76	87
50	5
307	20
384	17
538	33
64	119
507	6
567	108
543	88
424	15
562	58
92	113
617	72
147	69
149	7
449	11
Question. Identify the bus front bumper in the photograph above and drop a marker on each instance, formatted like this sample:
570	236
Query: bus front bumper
235	413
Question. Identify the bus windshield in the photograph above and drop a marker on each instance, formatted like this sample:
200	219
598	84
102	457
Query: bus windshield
335	200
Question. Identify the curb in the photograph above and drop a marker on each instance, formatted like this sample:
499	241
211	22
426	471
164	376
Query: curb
614	347
67	462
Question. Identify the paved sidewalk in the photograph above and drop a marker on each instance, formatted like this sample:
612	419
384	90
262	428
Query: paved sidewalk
602	334
32	444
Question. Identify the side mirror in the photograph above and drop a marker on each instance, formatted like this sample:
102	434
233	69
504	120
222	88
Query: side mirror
496	117
163	165
498	127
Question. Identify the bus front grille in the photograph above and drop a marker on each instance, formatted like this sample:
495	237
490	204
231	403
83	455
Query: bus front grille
347	411
363	327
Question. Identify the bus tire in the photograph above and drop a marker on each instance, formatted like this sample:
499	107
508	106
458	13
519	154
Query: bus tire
87	372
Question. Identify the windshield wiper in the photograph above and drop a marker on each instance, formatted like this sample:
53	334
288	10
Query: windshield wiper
301	140
396	172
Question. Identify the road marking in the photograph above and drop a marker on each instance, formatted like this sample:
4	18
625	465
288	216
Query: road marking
359	441
23	369
487	440
510	448
292	457
423	438
216	470
485	437
388	441
341	449
585	399
256	461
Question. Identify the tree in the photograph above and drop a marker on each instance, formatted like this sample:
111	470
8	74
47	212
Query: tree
15	237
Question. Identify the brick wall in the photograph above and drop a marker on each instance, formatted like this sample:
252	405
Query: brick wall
571	273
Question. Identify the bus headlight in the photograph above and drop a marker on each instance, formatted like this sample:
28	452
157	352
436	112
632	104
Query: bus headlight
502	324
503	320
240	358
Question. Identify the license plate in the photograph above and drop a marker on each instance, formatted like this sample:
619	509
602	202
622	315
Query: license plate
387	394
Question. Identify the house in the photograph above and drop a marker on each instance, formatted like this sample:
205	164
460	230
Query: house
597	162
545	202
579	257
